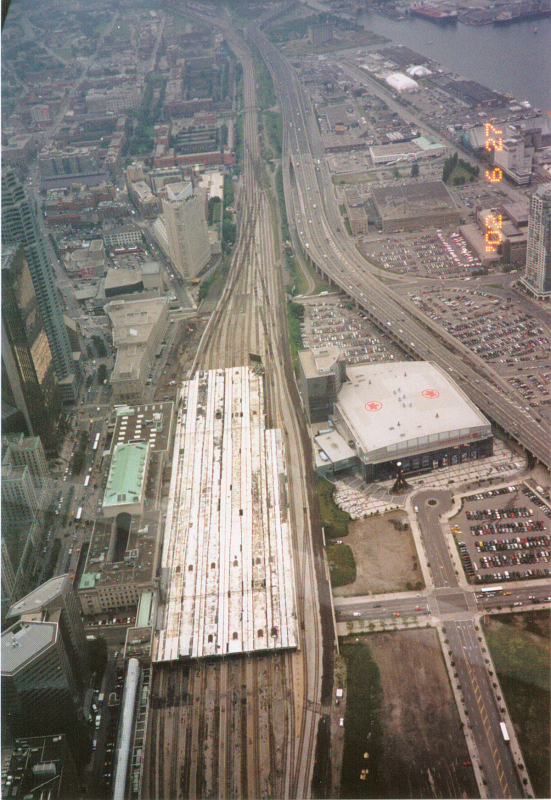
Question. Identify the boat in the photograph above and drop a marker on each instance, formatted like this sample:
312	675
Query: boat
536	29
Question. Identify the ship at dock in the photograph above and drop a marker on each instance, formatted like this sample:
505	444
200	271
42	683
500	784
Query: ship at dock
520	11
440	16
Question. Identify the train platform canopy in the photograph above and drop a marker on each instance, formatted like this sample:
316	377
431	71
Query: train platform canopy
395	409
227	574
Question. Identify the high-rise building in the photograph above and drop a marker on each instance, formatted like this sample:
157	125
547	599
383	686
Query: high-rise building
8	580
20	500
26	451
56	601
20	227
537	277
44	662
21	531
186	229
39	689
29	380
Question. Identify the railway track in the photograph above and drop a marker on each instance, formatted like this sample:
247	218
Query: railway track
242	730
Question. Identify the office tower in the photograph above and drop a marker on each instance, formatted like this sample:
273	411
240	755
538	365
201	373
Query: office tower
537	277
21	529
186	229
55	601
20	500
26	451
20	226
39	689
29	379
44	662
8	580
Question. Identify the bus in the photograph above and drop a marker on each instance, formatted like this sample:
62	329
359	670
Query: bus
78	515
87	480
504	731
96	442
491	589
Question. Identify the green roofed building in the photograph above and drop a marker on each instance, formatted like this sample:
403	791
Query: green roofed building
126	483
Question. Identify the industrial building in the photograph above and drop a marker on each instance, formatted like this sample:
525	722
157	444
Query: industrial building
414	207
227	575
407	412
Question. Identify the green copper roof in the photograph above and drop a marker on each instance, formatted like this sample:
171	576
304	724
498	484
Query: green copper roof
127	474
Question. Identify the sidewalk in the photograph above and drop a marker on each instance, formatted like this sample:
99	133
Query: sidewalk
363	500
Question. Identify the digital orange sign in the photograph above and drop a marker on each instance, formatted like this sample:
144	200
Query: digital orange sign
494	222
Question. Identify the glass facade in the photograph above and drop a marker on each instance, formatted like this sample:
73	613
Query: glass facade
21	227
28	368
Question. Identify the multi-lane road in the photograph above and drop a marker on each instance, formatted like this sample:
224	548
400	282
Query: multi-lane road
312	208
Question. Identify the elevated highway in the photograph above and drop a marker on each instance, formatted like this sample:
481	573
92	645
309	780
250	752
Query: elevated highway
312	210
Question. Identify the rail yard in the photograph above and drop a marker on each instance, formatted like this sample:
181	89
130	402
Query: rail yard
247	725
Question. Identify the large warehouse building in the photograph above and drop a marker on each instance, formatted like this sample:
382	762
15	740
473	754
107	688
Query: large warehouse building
408	412
414	207
227	575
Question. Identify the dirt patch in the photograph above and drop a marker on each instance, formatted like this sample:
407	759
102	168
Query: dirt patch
386	558
424	749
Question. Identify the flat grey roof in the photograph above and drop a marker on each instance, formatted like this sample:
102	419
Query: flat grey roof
419	198
23	641
39	597
334	446
394	407
318	361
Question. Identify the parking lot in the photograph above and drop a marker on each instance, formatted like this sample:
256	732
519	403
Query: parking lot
424	254
504	535
328	321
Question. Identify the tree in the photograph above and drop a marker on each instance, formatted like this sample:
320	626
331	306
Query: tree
414	169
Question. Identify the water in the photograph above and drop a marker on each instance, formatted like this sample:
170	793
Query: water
509	58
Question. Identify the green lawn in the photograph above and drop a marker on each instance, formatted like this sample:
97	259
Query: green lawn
342	565
334	520
363	725
519	644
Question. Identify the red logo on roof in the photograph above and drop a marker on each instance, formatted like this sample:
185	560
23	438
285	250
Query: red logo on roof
432	394
373	405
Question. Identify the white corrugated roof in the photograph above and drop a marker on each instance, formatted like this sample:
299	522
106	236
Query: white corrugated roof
227	553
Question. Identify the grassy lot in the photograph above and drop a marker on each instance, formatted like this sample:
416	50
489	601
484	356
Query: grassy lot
364	730
519	644
342	565
273	125
334	520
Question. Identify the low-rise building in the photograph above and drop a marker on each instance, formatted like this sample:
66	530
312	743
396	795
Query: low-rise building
138	329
